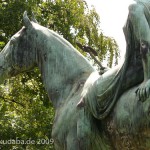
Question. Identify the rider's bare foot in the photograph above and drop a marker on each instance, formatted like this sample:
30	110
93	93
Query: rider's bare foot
143	92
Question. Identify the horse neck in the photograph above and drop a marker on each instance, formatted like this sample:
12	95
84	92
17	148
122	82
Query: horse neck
61	67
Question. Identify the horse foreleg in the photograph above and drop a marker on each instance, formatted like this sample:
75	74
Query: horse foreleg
72	141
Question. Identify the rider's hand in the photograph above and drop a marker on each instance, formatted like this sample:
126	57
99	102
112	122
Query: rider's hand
143	92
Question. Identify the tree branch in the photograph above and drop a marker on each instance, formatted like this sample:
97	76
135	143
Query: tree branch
12	101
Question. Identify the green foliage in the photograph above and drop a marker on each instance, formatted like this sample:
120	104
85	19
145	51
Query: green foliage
26	112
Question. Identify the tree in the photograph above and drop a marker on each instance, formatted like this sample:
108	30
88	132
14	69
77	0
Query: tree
23	100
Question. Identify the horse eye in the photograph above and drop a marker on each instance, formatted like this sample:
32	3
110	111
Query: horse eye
143	45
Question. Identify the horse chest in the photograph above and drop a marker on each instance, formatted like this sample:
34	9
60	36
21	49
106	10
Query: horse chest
128	127
68	122
65	115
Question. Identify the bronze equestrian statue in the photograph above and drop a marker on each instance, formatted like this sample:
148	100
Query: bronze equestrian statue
92	111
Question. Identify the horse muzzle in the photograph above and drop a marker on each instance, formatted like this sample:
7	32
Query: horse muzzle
5	66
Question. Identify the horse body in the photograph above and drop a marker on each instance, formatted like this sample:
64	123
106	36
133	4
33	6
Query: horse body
65	74
69	78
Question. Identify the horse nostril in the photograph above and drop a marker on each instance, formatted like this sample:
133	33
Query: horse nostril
1	68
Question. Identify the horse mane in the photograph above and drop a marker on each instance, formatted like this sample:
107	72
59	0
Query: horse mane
60	38
56	35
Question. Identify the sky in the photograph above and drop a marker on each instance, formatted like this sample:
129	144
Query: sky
113	15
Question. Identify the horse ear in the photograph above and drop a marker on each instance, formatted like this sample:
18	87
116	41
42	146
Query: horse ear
33	18
26	20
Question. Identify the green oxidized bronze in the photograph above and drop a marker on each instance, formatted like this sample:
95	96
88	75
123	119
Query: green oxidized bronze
93	112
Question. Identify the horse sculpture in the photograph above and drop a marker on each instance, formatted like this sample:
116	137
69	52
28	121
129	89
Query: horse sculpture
93	112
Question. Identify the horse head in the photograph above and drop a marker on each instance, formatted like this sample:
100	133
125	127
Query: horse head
19	54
